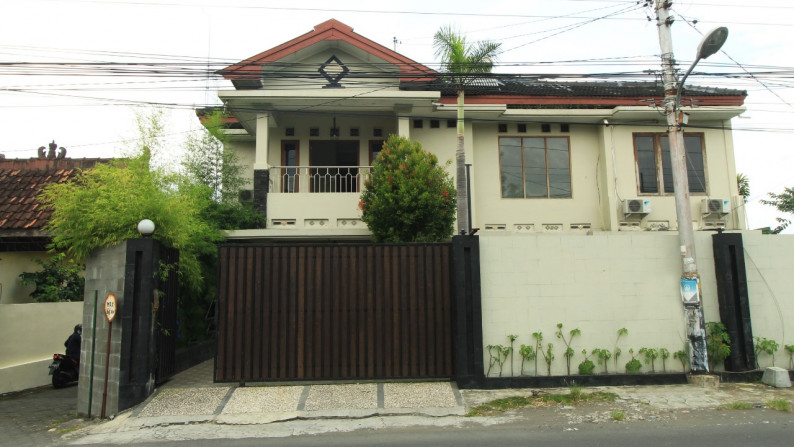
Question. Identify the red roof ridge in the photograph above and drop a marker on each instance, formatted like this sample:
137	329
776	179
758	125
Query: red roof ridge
331	29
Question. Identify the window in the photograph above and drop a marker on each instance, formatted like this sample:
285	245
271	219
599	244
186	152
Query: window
654	169
535	167
289	157
375	147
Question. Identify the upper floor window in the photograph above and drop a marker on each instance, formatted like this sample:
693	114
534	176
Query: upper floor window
654	169
535	167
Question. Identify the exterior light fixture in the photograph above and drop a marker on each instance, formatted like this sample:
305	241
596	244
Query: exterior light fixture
146	227
710	44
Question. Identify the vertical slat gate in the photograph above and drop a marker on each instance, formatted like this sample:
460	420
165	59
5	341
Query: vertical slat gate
166	319
334	312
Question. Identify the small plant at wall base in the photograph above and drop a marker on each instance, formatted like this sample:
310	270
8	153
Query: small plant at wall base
512	338
498	354
622	331
568	350
538	336
409	197
603	358
633	366
587	367
59	280
790	350
682	357
718	343
650	356
664	354
767	346
527	353
548	357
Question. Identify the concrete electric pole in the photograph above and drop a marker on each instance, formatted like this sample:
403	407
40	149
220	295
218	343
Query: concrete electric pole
690	279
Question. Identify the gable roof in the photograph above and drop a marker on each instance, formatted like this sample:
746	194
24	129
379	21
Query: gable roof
247	73
22	217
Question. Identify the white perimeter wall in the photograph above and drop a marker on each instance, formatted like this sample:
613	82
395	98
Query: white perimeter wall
31	334
606	281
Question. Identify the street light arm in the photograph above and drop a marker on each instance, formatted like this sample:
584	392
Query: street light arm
681	84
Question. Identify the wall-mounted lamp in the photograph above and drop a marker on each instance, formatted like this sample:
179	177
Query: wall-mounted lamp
146	227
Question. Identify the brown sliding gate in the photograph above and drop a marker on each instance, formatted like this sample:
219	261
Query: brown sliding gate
334	312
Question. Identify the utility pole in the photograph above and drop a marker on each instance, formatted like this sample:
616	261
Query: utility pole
690	279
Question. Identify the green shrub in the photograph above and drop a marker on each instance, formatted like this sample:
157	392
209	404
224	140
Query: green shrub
59	280
409	197
718	343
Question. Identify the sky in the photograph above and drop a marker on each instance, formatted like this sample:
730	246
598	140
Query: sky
55	83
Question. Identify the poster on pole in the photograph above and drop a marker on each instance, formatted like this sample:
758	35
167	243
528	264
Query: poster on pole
690	292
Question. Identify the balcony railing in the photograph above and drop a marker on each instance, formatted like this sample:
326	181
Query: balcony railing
318	179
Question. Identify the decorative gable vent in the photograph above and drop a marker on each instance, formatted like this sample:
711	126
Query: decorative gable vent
636	206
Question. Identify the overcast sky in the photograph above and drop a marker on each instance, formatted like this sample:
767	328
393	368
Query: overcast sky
82	107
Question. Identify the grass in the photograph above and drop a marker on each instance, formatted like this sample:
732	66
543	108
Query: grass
779	405
618	415
736	406
573	397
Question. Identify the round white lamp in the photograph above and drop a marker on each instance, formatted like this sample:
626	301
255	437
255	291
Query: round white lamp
146	227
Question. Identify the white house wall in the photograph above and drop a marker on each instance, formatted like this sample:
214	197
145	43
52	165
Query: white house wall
603	170
11	265
607	281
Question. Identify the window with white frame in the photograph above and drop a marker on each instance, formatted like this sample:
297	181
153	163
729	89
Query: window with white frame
535	167
654	168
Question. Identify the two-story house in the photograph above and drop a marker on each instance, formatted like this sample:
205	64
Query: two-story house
309	117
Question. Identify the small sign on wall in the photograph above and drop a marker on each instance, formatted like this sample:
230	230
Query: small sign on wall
110	307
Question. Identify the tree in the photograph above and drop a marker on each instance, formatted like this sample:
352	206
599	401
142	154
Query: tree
462	62
409	197
209	162
102	206
58	280
743	184
784	202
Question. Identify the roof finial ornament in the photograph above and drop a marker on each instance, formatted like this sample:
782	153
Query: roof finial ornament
51	152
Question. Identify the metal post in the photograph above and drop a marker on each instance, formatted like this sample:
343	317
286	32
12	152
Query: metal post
694	312
107	368
468	196
93	353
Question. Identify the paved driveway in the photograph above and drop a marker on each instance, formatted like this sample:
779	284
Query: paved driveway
26	417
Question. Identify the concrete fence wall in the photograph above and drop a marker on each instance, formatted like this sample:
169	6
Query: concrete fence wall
31	334
606	281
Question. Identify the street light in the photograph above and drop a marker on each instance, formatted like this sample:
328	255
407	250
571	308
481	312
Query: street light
146	227
711	43
690	279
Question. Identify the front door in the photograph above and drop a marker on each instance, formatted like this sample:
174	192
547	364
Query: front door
334	166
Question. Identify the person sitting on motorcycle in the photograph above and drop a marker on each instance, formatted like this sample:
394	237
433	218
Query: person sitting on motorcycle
73	343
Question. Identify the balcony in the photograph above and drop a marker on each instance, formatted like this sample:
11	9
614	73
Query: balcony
317	198
318	179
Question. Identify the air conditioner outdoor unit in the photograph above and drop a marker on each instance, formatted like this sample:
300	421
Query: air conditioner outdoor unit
715	206
636	206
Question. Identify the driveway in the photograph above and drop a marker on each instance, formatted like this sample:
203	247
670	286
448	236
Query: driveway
39	416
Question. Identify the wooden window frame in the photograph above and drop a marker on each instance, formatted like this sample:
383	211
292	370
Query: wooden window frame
657	155
523	171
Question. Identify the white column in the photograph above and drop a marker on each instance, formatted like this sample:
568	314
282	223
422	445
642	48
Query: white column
609	202
262	141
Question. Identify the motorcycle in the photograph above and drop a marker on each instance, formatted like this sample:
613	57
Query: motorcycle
63	370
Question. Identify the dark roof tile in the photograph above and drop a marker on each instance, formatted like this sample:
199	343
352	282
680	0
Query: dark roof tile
21	181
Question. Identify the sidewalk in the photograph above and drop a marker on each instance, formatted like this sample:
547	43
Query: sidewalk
191	406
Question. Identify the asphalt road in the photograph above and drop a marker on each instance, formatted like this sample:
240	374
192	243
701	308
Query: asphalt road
728	428
26	417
